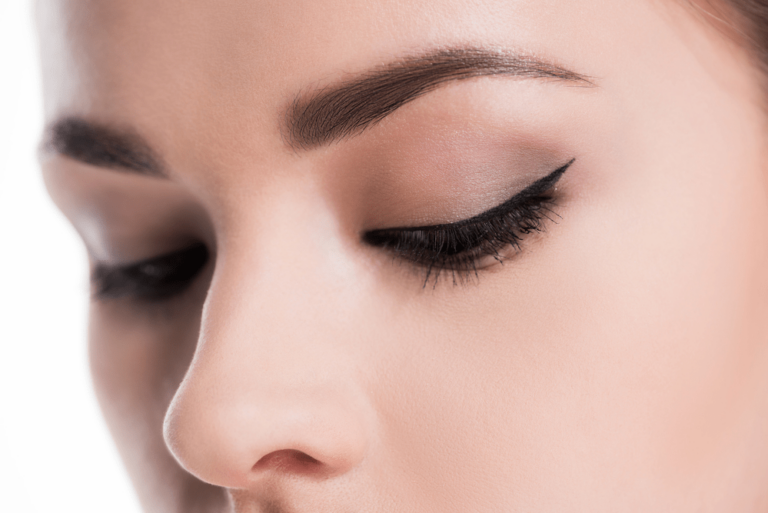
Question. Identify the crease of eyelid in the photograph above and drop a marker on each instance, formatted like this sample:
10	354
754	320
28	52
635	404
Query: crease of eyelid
538	187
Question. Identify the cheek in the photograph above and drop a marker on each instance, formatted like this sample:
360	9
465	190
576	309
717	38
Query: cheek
682	293
137	361
626	343
138	357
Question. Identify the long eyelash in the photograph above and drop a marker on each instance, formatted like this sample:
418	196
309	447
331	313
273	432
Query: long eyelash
459	250
154	279
457	247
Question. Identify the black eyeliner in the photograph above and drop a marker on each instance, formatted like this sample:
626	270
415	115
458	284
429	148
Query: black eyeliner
153	279
458	246
537	188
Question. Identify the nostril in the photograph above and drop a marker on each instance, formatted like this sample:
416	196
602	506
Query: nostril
290	461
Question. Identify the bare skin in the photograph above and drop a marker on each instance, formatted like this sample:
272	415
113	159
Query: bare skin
617	360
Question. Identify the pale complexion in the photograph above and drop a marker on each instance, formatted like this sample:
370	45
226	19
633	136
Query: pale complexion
618	361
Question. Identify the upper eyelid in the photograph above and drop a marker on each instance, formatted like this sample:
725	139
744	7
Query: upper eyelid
540	186
124	267
113	281
100	267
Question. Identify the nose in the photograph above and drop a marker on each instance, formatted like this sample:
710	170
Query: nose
273	386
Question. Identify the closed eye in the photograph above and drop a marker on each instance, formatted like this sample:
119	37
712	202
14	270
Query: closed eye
153	279
460	246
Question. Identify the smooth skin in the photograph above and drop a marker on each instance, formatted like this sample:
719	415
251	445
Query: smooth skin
617	363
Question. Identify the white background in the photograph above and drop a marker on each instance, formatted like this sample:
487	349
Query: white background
55	452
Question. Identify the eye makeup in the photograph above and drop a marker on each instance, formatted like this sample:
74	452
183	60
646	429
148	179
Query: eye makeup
460	247
154	279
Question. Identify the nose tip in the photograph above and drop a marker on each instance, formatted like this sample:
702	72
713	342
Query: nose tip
236	441
277	382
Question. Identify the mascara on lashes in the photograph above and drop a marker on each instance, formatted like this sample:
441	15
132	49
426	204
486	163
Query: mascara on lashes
458	246
153	279
454	246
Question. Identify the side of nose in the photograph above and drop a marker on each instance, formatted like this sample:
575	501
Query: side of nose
273	387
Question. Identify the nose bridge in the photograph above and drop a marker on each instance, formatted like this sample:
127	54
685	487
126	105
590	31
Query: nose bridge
272	384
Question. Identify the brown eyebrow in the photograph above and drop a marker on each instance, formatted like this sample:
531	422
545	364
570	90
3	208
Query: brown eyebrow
103	146
341	111
320	118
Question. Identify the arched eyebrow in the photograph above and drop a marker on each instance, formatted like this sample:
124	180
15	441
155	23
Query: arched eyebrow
337	112
318	118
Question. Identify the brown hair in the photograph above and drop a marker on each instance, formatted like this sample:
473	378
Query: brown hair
744	21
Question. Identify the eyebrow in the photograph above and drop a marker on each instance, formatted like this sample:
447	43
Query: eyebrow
322	117
341	111
103	146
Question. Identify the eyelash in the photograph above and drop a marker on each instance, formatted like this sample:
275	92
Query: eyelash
459	247
455	247
152	280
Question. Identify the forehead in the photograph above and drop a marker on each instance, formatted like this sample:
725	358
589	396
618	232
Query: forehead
223	72
256	53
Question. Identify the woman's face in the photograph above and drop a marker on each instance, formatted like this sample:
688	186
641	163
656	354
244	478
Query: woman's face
594	338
